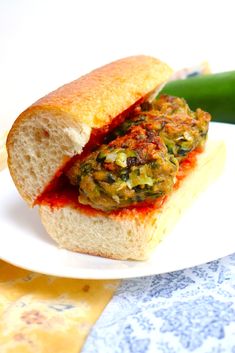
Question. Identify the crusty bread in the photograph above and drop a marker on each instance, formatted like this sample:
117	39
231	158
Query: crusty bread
58	126
132	236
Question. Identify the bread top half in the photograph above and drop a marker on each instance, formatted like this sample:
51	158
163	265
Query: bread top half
58	126
96	98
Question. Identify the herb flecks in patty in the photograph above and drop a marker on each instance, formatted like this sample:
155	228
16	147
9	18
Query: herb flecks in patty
132	168
141	161
181	129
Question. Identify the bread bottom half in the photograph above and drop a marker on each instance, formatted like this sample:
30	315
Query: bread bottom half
131	236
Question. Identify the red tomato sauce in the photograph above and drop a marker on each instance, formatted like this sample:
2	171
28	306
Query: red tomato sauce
187	165
60	192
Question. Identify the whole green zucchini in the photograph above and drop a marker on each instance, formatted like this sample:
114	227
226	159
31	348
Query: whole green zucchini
214	93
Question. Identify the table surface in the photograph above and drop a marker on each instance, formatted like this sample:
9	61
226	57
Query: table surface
192	310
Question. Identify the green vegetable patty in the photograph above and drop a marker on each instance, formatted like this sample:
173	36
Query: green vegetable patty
181	129
140	159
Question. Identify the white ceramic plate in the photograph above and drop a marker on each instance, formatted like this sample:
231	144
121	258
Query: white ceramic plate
205	232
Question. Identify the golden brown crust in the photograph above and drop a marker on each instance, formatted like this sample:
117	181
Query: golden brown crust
101	95
58	126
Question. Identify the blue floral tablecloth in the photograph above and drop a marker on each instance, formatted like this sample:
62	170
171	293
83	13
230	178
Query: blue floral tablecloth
192	310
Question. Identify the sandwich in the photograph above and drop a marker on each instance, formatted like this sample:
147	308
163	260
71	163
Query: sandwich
111	166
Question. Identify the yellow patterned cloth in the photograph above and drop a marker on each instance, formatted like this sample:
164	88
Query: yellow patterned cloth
44	314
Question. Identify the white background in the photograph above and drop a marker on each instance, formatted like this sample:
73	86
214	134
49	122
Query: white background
44	44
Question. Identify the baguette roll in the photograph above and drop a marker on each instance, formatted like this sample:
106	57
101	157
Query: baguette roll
58	126
50	141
